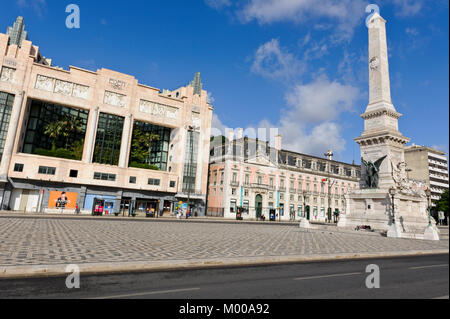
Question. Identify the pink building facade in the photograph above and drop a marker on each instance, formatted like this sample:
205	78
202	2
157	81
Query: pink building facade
248	173
107	155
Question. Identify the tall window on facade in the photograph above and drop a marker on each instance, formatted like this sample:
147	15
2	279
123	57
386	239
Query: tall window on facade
6	104
150	146
55	130
190	161
109	139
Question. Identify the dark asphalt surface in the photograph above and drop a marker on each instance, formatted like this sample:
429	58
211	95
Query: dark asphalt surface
406	277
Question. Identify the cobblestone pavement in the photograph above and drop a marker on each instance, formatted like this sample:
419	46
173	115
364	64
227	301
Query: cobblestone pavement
29	241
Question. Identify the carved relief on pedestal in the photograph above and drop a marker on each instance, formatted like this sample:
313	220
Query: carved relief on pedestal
7	74
114	99
44	83
63	87
403	184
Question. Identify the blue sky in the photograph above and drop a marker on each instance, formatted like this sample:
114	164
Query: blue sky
298	65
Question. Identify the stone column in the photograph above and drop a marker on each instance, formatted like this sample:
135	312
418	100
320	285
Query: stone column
11	136
117	202
91	136
124	149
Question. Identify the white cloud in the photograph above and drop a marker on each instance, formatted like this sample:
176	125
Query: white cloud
412	31
347	14
210	98
320	100
38	6
272	61
309	124
408	8
218	4
217	127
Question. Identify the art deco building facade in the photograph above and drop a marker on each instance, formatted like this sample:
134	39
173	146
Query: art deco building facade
71	137
430	166
250	174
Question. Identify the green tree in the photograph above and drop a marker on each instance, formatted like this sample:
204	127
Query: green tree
54	130
442	203
62	128
77	149
141	145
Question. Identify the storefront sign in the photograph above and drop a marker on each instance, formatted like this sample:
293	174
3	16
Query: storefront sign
62	200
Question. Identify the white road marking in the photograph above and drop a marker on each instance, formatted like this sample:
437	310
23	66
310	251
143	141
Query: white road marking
147	293
444	297
430	266
329	276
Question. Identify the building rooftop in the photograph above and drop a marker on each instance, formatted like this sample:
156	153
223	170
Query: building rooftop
415	147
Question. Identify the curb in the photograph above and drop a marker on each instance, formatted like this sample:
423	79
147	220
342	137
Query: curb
41	271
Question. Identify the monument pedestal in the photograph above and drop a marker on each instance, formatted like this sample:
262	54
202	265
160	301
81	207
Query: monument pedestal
373	207
304	223
431	233
395	231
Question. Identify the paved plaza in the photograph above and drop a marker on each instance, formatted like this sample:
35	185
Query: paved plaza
47	241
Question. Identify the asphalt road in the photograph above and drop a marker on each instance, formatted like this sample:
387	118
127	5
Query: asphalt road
406	277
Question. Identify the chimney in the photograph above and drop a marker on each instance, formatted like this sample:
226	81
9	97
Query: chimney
278	140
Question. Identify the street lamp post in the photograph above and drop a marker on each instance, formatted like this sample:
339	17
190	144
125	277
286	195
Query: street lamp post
428	193
304	204
394	230
191	130
329	155
392	193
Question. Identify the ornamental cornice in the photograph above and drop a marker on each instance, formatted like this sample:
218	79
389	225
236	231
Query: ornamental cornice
381	112
382	139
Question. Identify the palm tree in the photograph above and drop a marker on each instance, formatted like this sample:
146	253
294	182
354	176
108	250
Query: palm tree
53	131
141	145
64	127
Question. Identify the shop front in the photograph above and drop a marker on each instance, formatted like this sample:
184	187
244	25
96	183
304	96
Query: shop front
99	204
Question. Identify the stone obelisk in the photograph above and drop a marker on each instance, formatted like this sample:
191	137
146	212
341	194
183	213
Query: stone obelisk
381	135
382	142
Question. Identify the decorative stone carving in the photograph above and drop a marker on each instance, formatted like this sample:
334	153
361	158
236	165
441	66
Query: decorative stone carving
7	74
117	84
63	87
145	106
374	63
403	184
114	99
157	109
80	91
44	83
172	113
